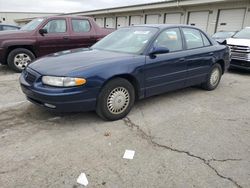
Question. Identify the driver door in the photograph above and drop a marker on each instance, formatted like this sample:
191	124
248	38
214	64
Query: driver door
165	72
57	39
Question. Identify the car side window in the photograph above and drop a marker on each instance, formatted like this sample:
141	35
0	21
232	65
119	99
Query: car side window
193	38
171	39
56	26
205	40
80	26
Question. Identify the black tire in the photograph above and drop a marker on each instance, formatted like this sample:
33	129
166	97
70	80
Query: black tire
209	85
104	98
14	53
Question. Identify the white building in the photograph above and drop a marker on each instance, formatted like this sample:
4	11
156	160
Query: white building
209	15
12	17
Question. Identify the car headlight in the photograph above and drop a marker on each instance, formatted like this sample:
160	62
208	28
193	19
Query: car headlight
63	81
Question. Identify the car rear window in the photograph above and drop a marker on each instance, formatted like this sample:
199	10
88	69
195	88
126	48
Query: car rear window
193	38
205	40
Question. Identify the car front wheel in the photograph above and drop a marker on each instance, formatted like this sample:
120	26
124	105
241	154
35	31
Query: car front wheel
213	78
19	59
116	99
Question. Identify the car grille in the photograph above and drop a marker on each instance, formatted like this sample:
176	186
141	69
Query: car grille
29	77
240	52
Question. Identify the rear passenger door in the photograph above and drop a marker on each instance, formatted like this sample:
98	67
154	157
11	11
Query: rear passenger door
167	71
82	33
199	55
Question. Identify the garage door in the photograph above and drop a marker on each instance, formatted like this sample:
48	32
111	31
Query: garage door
199	19
135	20
121	22
100	22
110	23
173	18
231	20
152	19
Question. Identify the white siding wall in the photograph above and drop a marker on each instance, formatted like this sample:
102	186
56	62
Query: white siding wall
110	22
199	19
153	19
100	21
203	16
227	22
173	18
136	20
121	21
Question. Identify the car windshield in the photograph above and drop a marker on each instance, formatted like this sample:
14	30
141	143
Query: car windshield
243	34
127	40
32	25
223	34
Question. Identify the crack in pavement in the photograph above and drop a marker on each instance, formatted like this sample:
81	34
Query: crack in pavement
223	160
147	137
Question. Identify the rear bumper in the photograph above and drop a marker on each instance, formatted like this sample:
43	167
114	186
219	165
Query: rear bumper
78	100
240	64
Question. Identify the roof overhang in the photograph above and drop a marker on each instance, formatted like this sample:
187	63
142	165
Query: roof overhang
150	6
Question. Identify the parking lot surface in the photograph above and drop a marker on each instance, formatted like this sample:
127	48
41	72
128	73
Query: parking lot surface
186	138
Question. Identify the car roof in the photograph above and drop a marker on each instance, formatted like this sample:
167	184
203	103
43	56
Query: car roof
225	31
63	16
164	26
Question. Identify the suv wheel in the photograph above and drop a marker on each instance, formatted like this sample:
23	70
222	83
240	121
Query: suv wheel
18	59
116	99
213	78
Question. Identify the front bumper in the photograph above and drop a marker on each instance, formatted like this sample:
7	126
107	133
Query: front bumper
59	99
240	64
2	56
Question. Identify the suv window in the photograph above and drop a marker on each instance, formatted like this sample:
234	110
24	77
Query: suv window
56	26
6	27
80	26
171	39
193	38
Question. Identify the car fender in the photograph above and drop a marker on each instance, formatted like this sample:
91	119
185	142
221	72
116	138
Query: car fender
18	42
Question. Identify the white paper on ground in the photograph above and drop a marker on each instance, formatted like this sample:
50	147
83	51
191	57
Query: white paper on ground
82	179
129	154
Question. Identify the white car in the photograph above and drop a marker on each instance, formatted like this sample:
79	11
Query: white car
240	49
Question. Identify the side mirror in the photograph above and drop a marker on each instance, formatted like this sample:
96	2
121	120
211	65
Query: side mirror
43	31
158	50
222	42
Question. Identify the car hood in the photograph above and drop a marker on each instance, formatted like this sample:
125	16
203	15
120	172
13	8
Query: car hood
14	34
65	62
238	42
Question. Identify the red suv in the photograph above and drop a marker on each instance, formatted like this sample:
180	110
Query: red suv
43	36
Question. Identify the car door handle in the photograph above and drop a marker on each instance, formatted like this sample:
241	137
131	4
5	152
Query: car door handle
66	38
181	60
211	53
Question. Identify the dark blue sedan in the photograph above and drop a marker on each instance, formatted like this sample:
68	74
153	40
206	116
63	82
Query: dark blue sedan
130	64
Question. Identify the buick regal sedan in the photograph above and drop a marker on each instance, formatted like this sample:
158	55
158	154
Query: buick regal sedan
129	64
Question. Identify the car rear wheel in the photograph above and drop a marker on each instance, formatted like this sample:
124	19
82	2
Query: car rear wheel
213	78
116	99
19	59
